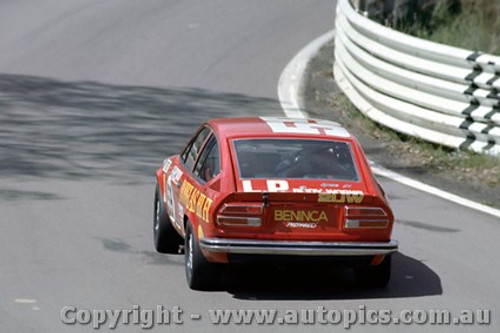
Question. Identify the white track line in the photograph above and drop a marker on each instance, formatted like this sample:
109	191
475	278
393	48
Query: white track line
290	84
381	171
290	94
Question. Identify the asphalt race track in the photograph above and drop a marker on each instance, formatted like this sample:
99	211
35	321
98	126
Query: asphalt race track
94	94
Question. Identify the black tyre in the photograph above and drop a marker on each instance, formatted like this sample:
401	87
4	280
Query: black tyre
166	238
200	274
375	276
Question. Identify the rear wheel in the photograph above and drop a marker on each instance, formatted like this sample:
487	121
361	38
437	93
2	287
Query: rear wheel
166	238
200	274
375	276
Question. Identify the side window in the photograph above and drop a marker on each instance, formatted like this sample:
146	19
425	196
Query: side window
203	154
189	154
208	165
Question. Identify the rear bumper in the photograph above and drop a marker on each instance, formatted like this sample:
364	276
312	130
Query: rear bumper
294	248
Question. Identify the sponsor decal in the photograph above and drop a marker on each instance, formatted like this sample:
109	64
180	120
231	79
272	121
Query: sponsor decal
176	174
341	196
324	194
272	186
288	215
329	185
301	225
194	201
166	164
308	190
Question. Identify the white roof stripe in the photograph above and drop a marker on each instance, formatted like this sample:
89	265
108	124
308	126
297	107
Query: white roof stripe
306	126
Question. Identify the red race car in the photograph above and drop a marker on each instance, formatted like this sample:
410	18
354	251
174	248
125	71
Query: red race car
250	189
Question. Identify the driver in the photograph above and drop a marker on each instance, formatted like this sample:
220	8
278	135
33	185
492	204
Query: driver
314	161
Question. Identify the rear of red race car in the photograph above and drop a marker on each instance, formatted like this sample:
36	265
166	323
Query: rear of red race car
288	196
327	209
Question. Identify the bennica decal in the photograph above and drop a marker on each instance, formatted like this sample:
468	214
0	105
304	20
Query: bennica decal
289	215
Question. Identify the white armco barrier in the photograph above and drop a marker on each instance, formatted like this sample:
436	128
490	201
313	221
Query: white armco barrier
432	91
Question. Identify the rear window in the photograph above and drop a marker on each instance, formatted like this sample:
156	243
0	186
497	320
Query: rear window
295	158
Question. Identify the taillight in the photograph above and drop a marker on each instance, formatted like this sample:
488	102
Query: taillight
249	215
365	217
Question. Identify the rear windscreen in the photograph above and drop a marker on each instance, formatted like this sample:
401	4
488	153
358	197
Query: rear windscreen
294	158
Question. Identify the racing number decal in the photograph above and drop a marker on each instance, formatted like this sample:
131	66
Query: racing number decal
169	197
305	126
173	178
195	201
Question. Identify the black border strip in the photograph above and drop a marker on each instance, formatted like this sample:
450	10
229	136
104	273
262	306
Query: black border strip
469	140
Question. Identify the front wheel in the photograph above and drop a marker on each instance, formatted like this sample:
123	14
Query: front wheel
200	274
375	276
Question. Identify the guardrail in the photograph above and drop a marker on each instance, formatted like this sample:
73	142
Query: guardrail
435	92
